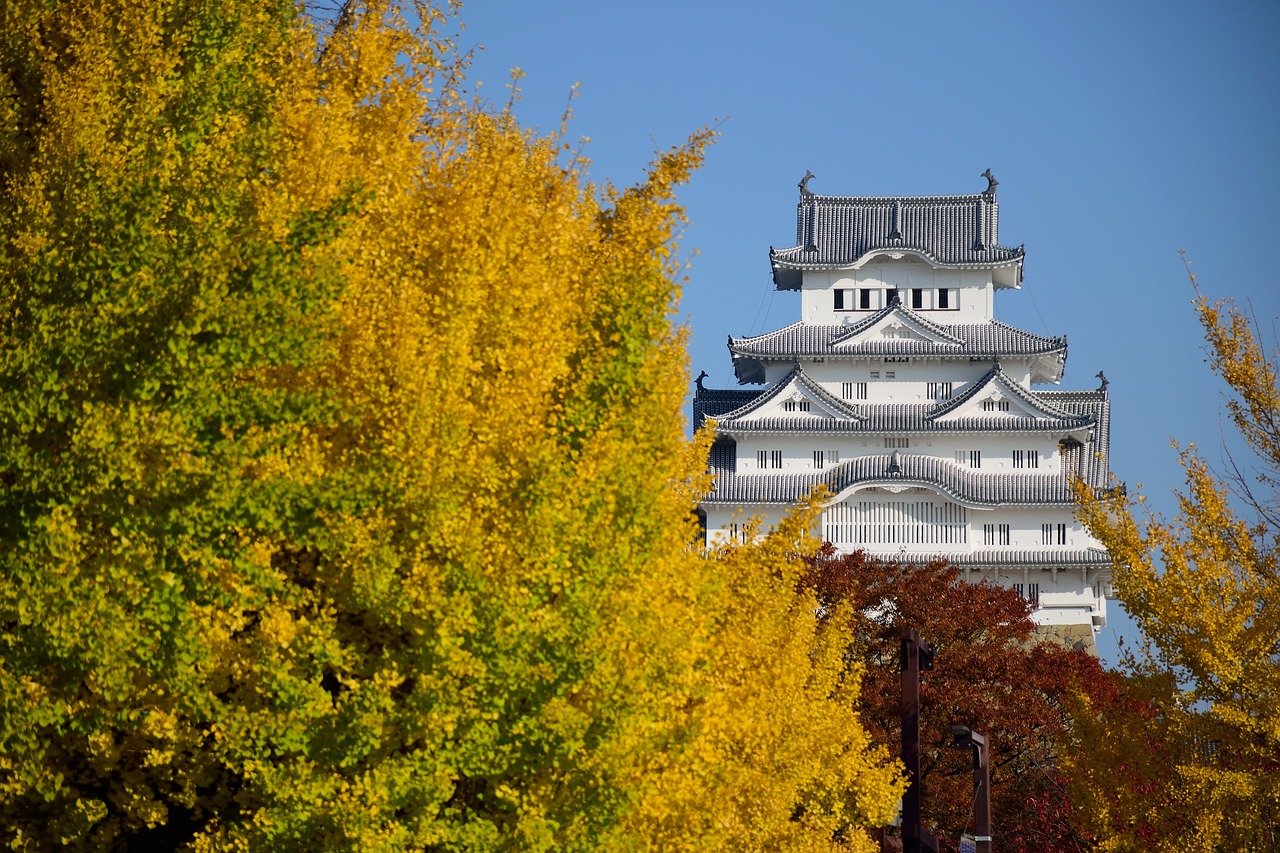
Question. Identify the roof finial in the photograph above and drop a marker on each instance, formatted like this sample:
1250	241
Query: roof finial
992	183
1105	382
701	376
804	183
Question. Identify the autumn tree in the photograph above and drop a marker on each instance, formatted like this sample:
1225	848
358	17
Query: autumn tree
989	674
347	503
1187	756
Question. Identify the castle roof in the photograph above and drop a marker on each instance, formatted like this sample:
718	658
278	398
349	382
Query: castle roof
921	338
901	470
832	416
841	232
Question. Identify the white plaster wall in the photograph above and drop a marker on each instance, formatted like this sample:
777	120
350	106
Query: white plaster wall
974	289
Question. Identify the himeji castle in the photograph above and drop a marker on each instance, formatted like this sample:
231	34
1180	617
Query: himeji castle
922	414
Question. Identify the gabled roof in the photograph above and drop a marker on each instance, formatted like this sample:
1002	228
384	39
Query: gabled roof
997	383
989	340
714	402
963	485
797	381
839	232
895	317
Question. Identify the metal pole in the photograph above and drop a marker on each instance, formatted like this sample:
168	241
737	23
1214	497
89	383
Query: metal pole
982	788
915	656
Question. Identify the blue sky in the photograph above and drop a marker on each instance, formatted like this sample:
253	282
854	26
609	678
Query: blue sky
1119	134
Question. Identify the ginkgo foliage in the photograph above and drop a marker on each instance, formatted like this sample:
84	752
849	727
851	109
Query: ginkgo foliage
1186	756
347	503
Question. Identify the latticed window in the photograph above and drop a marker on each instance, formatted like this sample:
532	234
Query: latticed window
972	458
1053	534
938	390
1029	591
1026	459
853	390
795	406
895	523
823	458
768	459
995	534
995	405
897	441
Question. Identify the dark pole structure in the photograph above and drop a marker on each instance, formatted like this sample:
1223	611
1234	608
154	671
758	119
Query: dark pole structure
916	655
966	738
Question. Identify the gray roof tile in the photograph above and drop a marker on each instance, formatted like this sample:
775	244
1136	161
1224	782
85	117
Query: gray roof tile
962	484
836	231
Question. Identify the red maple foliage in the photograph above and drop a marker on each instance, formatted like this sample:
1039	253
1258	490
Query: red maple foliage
989	674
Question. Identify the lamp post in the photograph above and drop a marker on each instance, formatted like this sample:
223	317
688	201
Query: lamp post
915	656
967	738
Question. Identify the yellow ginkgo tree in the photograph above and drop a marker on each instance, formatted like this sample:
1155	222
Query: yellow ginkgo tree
1187	756
346	499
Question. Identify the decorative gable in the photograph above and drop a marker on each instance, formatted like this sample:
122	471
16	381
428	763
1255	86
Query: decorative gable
795	397
997	396
894	323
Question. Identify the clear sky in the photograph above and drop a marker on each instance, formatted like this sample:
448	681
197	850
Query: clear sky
1119	132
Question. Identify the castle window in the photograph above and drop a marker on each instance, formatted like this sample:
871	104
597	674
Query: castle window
972	458
890	374
897	441
995	534
1053	534
865	298
890	294
768	459
1026	459
948	300
823	458
795	406
917	297
1029	591
853	390
995	405
843	300
938	390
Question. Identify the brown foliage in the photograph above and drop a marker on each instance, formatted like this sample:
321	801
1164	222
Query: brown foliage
989	674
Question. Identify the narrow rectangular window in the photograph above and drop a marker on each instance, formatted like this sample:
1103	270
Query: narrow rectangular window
944	301
1002	534
864	299
1026	459
938	390
972	458
839	306
1029	591
775	456
862	390
988	534
897	441
825	458
875	374
846	390
995	405
890	294
917	297
804	405
762	459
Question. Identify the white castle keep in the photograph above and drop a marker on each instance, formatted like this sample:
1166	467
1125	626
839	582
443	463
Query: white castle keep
900	391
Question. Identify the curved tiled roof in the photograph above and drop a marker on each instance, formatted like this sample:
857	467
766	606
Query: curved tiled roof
714	402
837	231
990	339
964	485
1075	558
797	376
